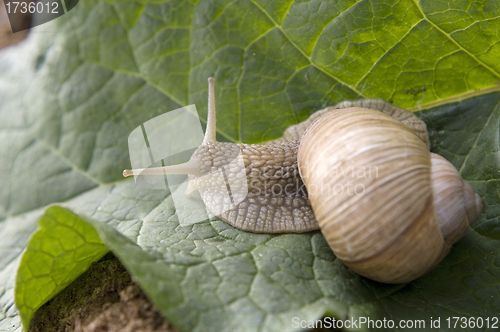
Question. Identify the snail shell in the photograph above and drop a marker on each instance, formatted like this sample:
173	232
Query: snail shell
390	233
397	223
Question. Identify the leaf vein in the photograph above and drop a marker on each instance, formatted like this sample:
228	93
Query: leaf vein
302	51
495	73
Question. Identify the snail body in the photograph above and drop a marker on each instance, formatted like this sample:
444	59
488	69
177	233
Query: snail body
398	228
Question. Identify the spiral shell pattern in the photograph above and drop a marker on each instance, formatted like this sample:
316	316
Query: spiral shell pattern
370	186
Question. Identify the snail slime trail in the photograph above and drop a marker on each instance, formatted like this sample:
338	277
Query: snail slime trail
388	207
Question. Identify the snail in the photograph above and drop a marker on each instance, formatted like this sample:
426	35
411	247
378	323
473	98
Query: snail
392	225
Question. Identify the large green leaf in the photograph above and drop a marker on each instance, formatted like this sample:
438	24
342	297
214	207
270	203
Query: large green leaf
73	92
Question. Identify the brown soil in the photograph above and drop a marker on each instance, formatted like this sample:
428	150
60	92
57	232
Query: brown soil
104	298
